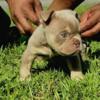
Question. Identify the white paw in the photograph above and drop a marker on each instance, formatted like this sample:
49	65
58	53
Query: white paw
25	76
76	75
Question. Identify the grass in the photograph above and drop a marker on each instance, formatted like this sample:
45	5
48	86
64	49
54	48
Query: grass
48	83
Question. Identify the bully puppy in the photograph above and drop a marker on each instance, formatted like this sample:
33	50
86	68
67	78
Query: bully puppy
58	33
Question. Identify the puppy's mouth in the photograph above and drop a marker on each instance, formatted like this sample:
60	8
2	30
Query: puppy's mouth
73	53
69	51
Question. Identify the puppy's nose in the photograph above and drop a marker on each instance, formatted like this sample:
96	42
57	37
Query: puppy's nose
76	43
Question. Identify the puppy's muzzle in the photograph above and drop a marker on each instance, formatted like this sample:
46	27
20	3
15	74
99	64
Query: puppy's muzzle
76	43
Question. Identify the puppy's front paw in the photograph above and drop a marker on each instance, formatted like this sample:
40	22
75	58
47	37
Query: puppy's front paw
76	75
28	78
25	76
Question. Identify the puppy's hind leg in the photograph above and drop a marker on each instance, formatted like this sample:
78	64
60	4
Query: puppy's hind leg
26	63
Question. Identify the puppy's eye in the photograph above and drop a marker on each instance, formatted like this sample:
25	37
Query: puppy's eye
64	34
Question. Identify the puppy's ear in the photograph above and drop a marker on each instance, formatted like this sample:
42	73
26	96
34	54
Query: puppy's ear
77	16
46	16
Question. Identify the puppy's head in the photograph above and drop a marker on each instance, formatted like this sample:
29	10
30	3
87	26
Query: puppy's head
62	31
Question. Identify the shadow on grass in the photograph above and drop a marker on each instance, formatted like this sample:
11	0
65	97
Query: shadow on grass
59	63
95	38
96	54
85	66
56	63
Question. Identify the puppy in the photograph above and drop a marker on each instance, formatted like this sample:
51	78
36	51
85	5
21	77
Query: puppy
58	33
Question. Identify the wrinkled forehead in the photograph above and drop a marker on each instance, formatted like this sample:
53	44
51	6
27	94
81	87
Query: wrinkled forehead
64	13
68	19
67	15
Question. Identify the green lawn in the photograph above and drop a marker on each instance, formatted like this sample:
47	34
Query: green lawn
48	82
